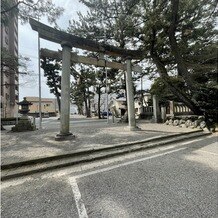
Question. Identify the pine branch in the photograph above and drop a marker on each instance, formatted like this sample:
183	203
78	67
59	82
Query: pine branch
16	6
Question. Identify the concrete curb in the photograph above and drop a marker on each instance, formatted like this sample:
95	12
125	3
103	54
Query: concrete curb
31	167
90	150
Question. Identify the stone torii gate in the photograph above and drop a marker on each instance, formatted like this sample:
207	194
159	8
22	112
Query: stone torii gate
68	41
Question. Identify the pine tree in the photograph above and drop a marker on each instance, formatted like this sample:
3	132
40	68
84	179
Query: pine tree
106	22
181	42
52	70
30	8
82	88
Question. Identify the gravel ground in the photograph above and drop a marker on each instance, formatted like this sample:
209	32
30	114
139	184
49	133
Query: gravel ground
89	133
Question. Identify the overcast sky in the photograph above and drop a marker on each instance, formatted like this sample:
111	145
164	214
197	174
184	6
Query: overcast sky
28	46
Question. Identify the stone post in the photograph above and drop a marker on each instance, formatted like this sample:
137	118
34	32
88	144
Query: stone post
171	108
65	94
163	113
156	109
130	97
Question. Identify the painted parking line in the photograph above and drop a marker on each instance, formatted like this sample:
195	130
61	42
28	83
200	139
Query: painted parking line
75	189
77	196
127	163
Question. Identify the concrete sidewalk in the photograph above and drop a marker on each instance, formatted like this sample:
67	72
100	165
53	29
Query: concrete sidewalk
90	134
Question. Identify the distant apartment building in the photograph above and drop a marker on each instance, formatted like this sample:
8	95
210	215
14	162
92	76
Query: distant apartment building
49	106
9	76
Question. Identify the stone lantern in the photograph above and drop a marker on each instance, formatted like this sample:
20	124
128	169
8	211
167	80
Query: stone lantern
24	107
24	124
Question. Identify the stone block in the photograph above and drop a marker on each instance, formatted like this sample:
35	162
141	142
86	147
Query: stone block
23	125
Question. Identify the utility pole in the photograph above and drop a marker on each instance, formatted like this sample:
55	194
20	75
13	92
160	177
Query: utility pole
106	92
105	69
40	94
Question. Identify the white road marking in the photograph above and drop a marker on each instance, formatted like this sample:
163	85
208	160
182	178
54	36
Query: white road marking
126	163
77	196
76	192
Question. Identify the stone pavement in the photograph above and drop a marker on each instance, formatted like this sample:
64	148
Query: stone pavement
90	133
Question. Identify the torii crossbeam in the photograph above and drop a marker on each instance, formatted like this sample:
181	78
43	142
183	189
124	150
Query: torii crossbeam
68	41
75	58
54	35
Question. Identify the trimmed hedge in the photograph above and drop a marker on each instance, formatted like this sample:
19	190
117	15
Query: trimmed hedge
9	120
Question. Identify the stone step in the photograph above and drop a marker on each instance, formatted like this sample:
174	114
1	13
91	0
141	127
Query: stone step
44	164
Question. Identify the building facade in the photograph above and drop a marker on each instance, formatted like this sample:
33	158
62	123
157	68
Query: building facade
49	106
9	75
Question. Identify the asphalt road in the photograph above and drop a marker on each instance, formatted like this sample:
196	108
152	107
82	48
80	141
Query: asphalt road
177	180
80	121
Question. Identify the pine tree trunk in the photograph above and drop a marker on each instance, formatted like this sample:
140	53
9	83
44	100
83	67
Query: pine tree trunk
184	97
59	103
99	101
85	101
88	114
57	94
177	92
80	109
181	67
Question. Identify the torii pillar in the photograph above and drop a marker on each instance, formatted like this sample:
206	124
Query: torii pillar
68	41
65	134
130	97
